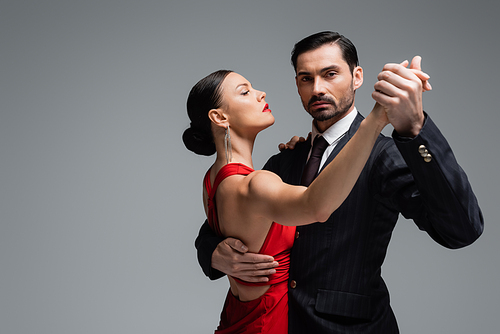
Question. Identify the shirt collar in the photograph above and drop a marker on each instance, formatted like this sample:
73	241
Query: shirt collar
334	132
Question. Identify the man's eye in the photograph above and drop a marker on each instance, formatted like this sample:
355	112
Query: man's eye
305	79
331	74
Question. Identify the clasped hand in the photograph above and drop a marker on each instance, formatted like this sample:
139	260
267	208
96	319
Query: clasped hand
399	90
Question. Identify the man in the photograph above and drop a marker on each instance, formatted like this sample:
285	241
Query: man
335	283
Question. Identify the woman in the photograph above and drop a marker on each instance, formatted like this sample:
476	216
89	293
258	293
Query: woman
226	115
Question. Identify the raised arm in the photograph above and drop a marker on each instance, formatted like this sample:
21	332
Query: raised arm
441	200
268	196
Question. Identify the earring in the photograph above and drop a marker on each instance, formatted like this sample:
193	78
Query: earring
227	145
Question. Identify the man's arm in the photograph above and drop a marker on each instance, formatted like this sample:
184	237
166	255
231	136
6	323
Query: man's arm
205	244
218	256
443	203
450	213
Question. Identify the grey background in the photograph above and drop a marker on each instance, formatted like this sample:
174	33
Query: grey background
100	202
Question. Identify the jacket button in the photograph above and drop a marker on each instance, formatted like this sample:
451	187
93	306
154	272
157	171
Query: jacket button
424	153
293	284
297	235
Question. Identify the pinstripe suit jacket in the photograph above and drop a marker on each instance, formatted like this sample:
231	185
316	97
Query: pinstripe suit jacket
336	265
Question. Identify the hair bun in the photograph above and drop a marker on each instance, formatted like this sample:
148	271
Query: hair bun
198	142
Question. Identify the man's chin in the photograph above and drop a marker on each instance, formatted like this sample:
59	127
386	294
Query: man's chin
325	114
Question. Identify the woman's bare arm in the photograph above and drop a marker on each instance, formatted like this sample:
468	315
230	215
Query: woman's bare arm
265	194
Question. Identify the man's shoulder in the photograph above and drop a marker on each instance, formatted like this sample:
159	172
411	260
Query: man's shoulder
287	158
291	154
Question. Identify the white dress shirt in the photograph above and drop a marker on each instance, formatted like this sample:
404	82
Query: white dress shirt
333	134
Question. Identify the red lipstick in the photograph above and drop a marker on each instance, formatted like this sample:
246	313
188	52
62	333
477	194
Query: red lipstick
266	108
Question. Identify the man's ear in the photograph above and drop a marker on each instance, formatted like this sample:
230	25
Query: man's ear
357	77
218	117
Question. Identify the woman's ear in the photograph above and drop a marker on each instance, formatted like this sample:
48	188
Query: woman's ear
218	117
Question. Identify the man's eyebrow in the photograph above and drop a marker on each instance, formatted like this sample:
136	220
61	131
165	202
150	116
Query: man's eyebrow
331	67
303	73
324	69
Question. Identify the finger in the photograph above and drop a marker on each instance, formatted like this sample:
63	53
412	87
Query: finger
292	142
416	67
281	147
256	269
416	63
263	266
421	75
424	77
400	79
390	87
383	99
258	261
253	279
398	70
260	273
236	244
255	272
404	63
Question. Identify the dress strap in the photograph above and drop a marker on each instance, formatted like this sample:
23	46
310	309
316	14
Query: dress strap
224	172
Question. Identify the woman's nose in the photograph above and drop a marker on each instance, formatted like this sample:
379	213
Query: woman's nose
261	96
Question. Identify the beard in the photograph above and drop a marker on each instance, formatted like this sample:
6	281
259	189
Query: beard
335	109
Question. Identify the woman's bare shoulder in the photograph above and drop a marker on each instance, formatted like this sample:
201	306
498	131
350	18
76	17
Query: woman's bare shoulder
252	184
263	183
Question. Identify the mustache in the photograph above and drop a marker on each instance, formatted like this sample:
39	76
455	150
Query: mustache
321	99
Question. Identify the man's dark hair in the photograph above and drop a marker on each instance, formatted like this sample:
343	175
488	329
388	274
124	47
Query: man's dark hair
319	39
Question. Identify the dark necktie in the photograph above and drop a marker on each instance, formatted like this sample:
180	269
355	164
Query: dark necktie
312	166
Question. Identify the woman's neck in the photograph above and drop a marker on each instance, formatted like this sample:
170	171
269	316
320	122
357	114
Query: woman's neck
240	152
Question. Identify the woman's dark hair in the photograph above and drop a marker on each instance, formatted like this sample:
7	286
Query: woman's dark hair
204	96
319	39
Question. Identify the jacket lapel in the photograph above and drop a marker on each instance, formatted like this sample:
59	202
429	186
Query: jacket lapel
352	130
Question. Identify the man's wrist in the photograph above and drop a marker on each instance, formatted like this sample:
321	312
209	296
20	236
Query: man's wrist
405	136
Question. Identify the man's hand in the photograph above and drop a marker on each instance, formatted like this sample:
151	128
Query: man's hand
399	91
231	258
291	144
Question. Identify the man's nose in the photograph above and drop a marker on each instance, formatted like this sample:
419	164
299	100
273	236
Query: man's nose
319	87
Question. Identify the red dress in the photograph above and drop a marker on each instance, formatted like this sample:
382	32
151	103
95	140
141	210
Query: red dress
268	313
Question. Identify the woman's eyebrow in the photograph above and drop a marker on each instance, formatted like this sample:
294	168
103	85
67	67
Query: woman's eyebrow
242	84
